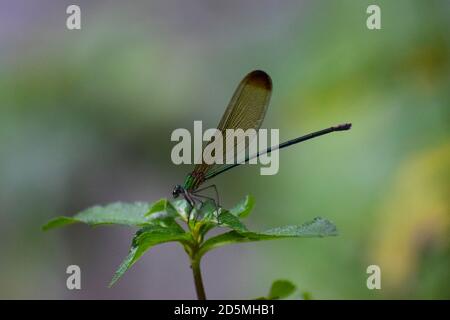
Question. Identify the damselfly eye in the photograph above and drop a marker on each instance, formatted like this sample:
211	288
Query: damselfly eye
176	191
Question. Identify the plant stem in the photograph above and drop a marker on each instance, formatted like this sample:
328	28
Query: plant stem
195	264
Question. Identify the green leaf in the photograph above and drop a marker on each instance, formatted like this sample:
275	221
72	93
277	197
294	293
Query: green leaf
131	214
163	212
146	238
244	207
227	219
318	227
164	208
306	295
157	206
281	289
58	222
207	211
182	207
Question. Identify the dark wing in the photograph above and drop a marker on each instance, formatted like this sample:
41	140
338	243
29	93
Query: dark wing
246	110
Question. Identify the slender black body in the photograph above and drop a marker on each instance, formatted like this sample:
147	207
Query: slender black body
341	127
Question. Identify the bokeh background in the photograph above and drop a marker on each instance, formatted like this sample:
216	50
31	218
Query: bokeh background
86	118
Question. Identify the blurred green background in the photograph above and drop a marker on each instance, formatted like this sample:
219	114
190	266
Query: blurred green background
86	118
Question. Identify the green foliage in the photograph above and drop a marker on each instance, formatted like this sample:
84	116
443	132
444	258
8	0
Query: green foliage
306	295
159	223
227	219
131	214
318	227
244	207
281	289
146	238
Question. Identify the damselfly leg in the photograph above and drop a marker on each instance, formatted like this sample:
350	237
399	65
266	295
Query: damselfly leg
215	200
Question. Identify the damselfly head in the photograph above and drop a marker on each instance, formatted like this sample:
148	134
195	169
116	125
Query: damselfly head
177	190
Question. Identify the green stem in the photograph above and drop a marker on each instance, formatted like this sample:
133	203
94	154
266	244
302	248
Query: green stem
193	248
195	264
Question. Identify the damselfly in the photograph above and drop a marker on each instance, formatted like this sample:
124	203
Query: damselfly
246	110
